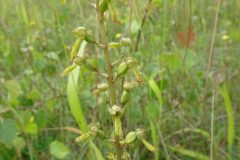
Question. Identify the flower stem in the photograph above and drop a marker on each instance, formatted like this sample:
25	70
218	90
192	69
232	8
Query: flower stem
111	82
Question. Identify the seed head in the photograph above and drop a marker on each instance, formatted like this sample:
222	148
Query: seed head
80	32
126	42
122	69
102	87
116	110
131	137
125	97
131	62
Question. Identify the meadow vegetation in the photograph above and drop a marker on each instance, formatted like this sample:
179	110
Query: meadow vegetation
126	79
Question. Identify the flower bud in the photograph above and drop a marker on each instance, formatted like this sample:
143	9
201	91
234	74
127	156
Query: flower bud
103	7
83	137
140	133
80	32
100	133
68	70
116	110
95	92
148	145
131	62
89	37
94	131
93	128
90	64
75	48
118	126
102	87
122	69
131	137
114	45
79	60
128	86
125	42
125	97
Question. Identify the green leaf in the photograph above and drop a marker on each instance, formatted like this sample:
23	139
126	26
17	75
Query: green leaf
75	105
135	27
191	57
229	110
59	150
13	87
153	110
170	60
189	153
114	45
41	119
83	137
14	90
155	138
68	70
158	2
130	137
194	130
149	146
29	124
39	61
19	143
34	95
73	98
75	48
103	6
24	101
23	13
113	11
25	116
31	128
8	131
94	148
157	91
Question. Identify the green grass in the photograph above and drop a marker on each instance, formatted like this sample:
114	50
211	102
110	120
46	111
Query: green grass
35	41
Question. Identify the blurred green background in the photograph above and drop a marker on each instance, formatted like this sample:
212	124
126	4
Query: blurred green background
35	40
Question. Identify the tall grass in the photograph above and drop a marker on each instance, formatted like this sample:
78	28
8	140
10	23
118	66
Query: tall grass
172	122
230	117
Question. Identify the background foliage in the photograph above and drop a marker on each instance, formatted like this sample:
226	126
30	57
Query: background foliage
35	118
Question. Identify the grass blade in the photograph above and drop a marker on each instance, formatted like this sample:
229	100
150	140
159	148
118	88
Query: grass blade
228	105
75	105
157	91
189	153
193	130
154	139
73	99
94	148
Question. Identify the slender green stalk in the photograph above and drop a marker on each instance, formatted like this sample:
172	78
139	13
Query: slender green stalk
211	50
212	125
104	40
146	10
111	83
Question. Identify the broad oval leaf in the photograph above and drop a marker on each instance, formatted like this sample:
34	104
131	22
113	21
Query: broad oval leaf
59	150
8	131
